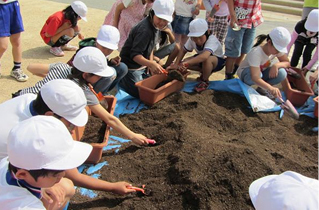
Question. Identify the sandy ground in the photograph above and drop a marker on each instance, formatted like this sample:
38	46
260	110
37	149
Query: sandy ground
35	12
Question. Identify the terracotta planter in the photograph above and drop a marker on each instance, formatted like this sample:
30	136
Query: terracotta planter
316	107
97	151
149	95
300	92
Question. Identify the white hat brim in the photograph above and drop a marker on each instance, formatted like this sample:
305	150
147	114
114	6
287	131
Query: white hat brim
108	72
79	120
256	185
76	157
108	45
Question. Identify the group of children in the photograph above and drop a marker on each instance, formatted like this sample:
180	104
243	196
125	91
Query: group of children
32	174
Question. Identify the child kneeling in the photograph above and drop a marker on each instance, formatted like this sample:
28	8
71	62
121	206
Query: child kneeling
209	57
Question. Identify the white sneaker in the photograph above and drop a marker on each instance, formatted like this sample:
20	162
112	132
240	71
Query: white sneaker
57	51
19	75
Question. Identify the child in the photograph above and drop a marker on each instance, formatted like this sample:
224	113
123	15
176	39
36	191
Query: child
166	46
257	68
185	11
11	26
65	100
40	149
289	190
246	14
137	52
107	40
89	66
218	23
62	27
305	40
209	57
125	14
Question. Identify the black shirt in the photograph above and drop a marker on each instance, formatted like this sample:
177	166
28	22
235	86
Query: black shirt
141	41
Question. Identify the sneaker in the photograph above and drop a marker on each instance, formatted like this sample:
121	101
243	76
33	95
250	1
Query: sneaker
57	51
69	47
201	86
19	75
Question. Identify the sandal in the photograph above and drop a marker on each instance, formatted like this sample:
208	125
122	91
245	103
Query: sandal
201	86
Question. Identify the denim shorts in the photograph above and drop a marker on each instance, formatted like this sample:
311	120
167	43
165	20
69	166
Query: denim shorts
239	42
180	24
10	19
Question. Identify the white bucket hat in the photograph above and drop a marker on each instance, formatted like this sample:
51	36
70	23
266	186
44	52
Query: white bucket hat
197	27
43	142
289	191
280	38
312	21
92	60
108	37
66	99
164	9
80	9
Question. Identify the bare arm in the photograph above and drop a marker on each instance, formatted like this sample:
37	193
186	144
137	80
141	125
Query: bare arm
199	59
82	180
232	14
117	125
117	13
154	67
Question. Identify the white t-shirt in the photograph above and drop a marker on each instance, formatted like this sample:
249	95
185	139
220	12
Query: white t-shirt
212	44
13	197
257	58
7	2
13	111
185	8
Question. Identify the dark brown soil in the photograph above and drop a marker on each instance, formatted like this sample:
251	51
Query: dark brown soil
211	146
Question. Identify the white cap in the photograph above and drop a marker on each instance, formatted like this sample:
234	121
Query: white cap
289	191
43	142
312	21
80	9
164	9
197	27
66	99
92	60
108	37
280	38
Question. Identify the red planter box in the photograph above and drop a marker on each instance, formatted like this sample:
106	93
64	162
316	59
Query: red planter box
149	95
301	91
97	151
316	107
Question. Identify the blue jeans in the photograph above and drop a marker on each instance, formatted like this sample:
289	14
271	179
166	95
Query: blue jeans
239	42
128	82
106	84
246	76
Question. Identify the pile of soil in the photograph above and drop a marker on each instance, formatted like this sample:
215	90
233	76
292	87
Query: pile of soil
210	147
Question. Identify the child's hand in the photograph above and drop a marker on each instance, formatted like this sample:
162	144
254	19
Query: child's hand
121	188
275	92
273	72
139	139
173	66
80	36
210	19
155	68
313	77
196	11
54	195
116	60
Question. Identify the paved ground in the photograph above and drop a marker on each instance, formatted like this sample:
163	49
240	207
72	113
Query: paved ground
35	12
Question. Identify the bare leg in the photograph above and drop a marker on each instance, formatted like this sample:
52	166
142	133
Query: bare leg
3	47
208	66
172	56
15	40
38	69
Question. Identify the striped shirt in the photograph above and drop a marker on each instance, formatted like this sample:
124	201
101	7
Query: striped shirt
60	71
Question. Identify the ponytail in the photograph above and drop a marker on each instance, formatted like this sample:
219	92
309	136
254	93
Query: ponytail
260	39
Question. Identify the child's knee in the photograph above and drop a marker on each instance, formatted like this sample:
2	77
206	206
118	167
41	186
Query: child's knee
70	32
68	186
77	28
282	74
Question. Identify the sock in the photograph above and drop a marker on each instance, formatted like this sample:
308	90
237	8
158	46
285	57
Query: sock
235	69
229	76
16	65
